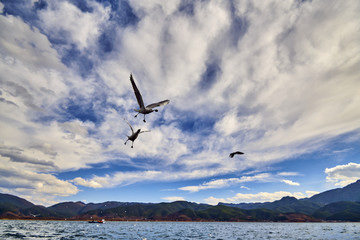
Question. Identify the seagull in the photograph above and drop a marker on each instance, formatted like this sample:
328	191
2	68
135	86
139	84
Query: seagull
233	153
149	108
134	135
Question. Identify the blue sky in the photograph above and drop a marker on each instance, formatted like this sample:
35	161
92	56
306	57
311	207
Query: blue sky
278	80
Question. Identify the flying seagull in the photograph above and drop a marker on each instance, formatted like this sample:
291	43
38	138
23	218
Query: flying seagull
134	135
233	153
149	108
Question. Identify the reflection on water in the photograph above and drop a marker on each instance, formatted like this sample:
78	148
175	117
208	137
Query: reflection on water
63	230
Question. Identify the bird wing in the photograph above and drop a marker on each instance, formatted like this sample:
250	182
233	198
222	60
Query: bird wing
144	131
231	155
132	130
137	92
239	152
158	104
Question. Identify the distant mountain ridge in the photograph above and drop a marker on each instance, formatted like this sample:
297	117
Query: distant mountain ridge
284	205
15	201
350	193
341	204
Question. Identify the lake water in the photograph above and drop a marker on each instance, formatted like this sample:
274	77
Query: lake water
62	230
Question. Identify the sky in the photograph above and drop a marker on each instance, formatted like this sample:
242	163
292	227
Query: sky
277	80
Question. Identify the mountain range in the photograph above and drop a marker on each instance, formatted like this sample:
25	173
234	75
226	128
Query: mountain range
341	204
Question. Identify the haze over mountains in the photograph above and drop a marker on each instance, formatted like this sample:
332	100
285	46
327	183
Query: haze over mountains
341	204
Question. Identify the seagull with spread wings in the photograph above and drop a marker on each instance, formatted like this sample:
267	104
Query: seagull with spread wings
149	108
233	154
134	135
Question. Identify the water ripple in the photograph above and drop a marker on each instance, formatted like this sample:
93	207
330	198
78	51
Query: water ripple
68	230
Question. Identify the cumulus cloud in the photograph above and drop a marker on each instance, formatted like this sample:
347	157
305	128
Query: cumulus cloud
343	175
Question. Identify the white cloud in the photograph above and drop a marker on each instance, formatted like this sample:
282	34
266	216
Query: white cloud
214	201
289	182
33	85
343	175
83	182
292	111
171	50
168	7
130	177
20	42
173	198
64	20
231	124
288	174
222	183
41	188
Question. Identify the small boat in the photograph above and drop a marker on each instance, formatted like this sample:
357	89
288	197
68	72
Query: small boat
98	221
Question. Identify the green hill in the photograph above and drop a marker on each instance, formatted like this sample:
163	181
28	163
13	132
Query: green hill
224	213
146	211
67	209
339	211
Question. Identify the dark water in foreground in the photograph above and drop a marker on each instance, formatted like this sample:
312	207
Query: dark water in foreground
17	229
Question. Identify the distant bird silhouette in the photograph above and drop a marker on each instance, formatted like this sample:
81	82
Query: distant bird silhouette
233	154
149	108
134	135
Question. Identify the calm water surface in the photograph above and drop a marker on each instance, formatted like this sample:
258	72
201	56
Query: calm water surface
17	229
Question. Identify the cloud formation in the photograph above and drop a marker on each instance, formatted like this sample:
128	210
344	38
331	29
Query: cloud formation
237	74
343	175
35	187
